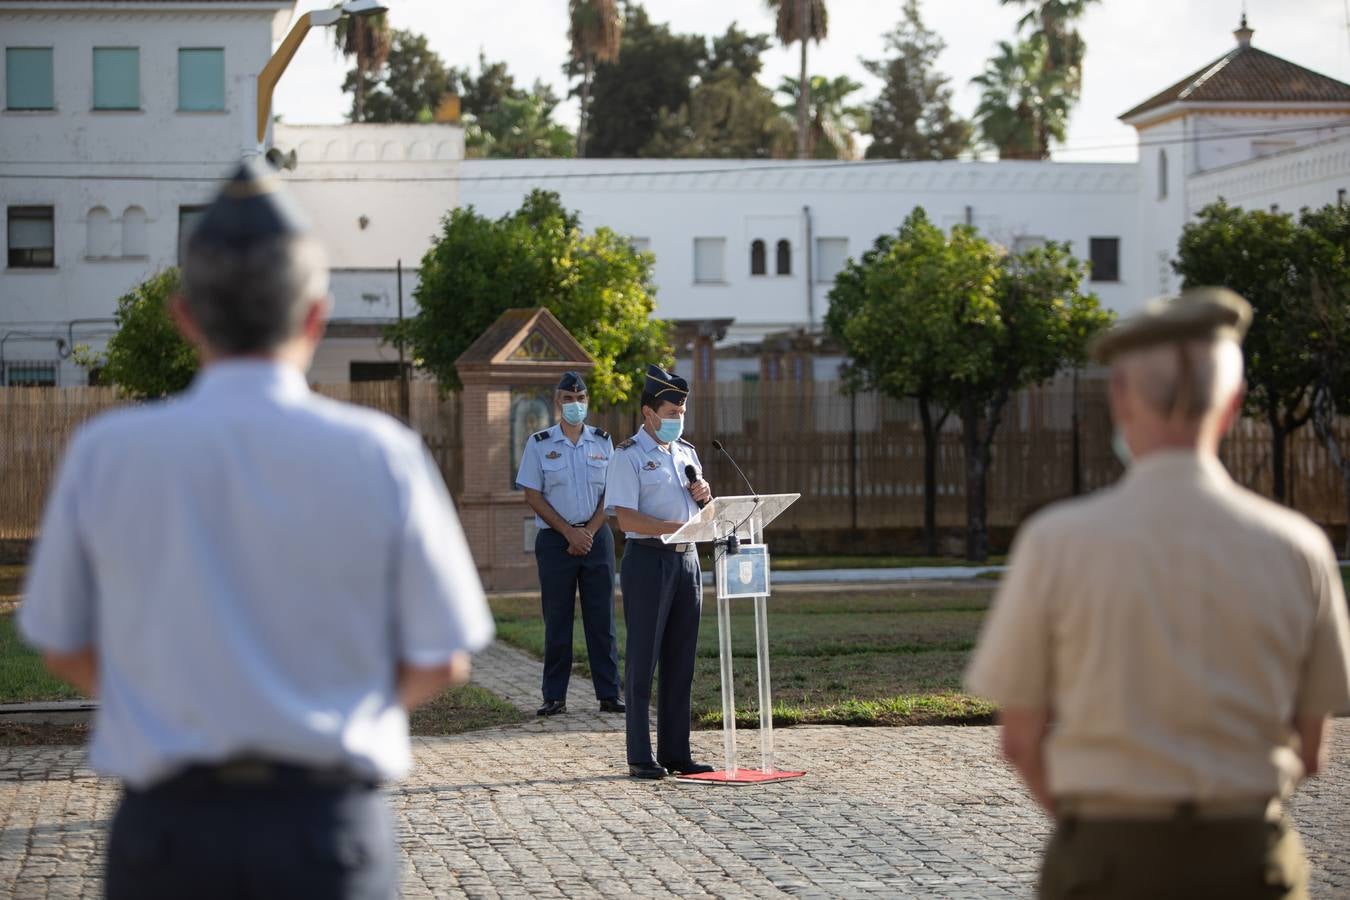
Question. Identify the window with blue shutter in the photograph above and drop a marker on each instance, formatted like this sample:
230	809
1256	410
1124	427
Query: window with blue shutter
28	78
117	78
201	79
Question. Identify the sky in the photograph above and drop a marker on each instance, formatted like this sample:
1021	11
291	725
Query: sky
1135	48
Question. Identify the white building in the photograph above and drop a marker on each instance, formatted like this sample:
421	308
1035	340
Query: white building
120	115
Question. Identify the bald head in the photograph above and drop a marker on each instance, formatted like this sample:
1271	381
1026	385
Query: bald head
1183	381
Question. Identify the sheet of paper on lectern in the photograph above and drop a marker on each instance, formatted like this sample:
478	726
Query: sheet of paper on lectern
724	515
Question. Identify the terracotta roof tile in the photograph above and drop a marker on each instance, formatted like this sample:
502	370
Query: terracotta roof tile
1249	75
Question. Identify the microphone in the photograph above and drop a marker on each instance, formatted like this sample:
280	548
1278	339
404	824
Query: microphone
692	474
717	445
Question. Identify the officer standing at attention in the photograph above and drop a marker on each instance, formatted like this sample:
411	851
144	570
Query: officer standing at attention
563	474
258	584
1165	653
651	494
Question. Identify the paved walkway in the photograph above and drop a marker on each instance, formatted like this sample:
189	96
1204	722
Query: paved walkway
545	809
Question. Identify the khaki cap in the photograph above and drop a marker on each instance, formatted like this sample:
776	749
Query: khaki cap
1199	313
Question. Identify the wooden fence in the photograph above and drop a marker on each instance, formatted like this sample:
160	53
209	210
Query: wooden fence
857	460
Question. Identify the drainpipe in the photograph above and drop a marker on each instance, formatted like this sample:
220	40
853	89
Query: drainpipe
810	283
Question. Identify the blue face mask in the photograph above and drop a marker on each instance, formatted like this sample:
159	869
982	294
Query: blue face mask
670	430
574	413
1120	448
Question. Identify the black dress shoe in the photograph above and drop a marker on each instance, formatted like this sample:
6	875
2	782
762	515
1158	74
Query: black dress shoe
688	767
613	705
647	770
552	708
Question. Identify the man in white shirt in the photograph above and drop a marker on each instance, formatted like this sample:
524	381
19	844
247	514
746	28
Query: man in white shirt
258	584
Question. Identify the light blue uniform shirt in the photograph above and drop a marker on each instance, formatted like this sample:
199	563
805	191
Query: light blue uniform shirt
570	476
250	563
644	477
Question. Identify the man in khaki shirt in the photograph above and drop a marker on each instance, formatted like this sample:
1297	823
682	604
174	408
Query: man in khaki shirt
1166	653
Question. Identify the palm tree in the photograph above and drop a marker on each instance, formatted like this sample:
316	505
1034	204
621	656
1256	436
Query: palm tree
832	124
595	32
1054	20
1024	103
366	38
800	21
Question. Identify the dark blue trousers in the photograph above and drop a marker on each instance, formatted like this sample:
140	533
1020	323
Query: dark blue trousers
203	840
662	602
560	577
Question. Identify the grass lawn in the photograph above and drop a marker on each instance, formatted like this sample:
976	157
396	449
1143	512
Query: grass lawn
22	675
461	709
876	658
804	563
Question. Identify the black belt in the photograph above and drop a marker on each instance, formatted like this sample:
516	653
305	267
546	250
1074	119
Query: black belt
262	773
662	545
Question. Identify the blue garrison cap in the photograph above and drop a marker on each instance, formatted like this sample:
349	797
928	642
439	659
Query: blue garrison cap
572	381
665	385
250	209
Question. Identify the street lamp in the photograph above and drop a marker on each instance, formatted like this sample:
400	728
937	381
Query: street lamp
267	78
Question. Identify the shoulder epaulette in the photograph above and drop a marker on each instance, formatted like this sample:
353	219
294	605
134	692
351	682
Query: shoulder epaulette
686	443
601	433
626	444
542	435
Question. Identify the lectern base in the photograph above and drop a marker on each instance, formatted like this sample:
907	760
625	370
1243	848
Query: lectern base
742	776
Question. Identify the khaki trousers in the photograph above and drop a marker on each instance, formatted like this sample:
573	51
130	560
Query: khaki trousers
1179	857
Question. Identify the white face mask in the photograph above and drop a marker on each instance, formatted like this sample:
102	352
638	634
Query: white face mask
1120	448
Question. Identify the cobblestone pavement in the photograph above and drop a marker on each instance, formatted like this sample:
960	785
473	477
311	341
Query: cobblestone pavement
545	809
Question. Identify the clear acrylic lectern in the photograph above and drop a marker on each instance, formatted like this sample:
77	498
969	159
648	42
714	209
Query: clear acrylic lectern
745	517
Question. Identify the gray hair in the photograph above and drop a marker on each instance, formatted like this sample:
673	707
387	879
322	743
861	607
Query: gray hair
1189	379
252	299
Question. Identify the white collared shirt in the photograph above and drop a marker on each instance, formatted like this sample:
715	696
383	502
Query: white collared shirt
251	562
570	476
650	478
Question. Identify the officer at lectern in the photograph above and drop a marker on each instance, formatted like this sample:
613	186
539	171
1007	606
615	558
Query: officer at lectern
655	485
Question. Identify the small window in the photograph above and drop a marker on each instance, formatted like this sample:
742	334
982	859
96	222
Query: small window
100	238
1024	242
758	258
831	257
117	78
640	244
134	241
1105	254
30	374
784	258
28	78
201	79
1340	196
1162	174
187	220
710	265
32	237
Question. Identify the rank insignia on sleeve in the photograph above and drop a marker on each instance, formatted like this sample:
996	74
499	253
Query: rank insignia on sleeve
626	444
552	454
601	433
541	435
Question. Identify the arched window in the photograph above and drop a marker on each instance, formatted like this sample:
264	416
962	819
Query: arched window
784	258
758	264
134	241
100	239
1162	174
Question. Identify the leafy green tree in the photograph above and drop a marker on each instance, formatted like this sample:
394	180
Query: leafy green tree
912	117
480	94
595	29
1040	325
653	75
1023	104
1055	22
1256	253
833	124
364	39
896	312
597	285
519	128
730	115
800	21
147	358
408	87
1325	256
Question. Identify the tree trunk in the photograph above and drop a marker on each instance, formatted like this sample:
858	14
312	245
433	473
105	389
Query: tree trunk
359	104
1277	437
804	88
977	484
585	107
930	452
